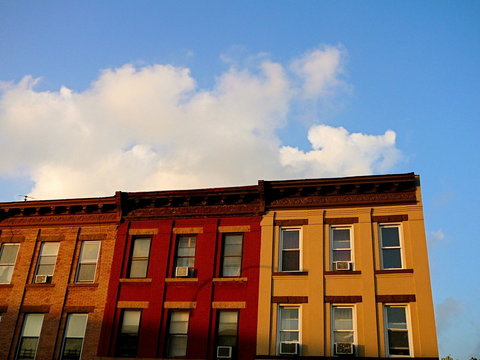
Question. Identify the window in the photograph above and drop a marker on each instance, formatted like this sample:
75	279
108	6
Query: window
289	249
391	247
186	251
177	334
32	326
87	264
397	330
127	342
288	330
343	333
8	257
341	242
46	262
232	255
74	334
139	258
227	330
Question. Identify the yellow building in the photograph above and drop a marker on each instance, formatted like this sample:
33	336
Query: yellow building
344	269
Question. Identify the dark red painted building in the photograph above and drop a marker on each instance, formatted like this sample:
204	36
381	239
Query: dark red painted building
184	280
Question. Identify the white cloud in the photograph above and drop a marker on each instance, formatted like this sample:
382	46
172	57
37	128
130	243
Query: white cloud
436	237
152	128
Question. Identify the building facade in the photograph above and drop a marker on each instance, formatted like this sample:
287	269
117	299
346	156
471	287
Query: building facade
314	268
55	261
344	270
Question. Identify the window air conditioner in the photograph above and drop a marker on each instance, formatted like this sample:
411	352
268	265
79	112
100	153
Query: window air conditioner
289	348
41	279
343	265
181	271
343	349
224	352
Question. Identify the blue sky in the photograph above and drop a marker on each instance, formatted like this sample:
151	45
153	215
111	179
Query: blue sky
120	95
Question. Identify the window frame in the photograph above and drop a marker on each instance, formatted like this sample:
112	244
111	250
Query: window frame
40	256
121	336
9	264
133	259
217	331
400	245
408	329
334	330
171	335
224	257
351	248
283	229
66	337
88	262
178	257
280	330
23	336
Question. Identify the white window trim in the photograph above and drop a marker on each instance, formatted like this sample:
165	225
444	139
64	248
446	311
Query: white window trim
300	248
409	330
352	250
332	326
401	246
279	322
88	262
10	264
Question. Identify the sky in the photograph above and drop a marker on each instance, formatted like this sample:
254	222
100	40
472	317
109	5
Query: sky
97	97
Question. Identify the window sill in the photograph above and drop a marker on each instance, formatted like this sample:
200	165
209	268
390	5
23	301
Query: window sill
230	279
170	280
83	285
394	271
289	273
135	280
342	272
39	285
6	285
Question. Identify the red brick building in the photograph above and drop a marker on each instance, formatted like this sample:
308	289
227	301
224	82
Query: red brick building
184	281
55	261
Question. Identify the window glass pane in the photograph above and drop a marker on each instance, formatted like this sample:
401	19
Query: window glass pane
233	245
131	321
289	336
289	319
341	235
186	246
50	249
86	272
179	322
6	274
45	269
28	348
290	239
72	349
138	268
188	262
8	253
141	247
32	325
398	343
392	259
397	318
177	345
47	260
343	318
228	323
290	260
390	236
76	325
343	244
343	336
90	251
341	255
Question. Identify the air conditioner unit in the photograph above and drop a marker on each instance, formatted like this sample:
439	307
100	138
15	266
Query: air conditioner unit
224	352
343	265
289	348
41	279
181	271
343	348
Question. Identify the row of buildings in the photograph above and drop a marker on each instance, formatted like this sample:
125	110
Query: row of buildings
304	268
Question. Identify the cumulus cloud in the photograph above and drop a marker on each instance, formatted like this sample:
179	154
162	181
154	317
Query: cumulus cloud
436	237
153	128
